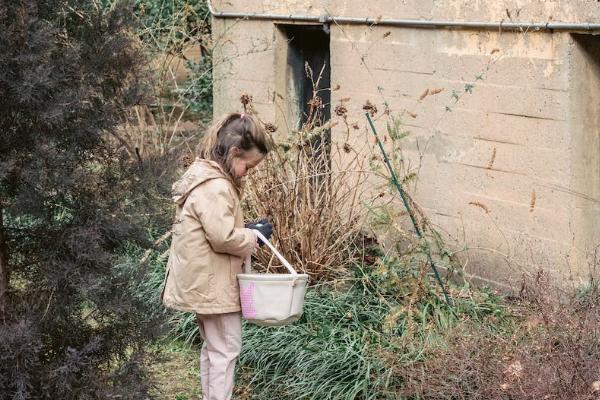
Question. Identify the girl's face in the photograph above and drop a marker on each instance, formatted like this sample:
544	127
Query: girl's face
243	161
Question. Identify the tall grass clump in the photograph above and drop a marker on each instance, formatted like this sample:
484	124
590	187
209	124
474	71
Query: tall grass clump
354	339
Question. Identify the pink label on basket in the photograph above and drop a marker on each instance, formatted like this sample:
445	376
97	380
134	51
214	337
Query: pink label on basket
247	300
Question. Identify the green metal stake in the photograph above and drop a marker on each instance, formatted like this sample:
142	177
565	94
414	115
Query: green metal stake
408	208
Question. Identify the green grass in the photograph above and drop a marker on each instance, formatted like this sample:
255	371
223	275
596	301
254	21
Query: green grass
175	371
353	339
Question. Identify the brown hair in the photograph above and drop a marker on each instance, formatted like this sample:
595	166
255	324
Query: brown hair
233	130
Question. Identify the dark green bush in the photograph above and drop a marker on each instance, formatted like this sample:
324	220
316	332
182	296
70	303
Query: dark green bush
71	326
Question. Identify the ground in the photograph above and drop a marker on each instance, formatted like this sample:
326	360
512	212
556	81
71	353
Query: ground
176	372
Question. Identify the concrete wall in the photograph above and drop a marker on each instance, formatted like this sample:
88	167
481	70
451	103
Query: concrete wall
509	150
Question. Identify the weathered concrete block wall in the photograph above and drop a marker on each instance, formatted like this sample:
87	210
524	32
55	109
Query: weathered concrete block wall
509	149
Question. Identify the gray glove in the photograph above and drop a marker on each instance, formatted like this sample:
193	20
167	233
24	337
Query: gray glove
263	226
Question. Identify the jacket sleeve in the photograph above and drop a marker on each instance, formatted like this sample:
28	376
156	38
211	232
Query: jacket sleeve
214	206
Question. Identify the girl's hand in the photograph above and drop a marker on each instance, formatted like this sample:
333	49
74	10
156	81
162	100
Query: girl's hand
263	226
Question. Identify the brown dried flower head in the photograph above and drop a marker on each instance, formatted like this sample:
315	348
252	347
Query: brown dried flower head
269	127
371	108
340	110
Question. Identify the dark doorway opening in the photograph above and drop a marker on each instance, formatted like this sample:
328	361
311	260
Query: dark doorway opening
309	73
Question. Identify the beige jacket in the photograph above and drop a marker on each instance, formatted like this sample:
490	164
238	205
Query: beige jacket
209	243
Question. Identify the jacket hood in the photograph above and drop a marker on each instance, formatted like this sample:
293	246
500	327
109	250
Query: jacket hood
199	172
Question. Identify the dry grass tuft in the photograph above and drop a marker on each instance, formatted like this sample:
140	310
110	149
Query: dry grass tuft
552	351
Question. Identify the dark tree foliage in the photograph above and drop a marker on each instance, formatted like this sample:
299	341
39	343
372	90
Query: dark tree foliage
70	326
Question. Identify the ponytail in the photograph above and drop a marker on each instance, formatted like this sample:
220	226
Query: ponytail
238	130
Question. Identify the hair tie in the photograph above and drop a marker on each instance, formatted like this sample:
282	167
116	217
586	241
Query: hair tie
242	115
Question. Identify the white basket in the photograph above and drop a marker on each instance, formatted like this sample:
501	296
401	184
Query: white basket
272	299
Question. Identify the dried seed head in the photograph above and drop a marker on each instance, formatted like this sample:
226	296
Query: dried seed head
532	201
480	205
245	99
492	159
514	370
340	110
371	108
187	160
269	127
315	102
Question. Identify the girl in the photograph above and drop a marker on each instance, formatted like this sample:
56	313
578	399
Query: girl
210	243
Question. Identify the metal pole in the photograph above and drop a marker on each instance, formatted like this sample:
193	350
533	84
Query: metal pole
414	23
396	183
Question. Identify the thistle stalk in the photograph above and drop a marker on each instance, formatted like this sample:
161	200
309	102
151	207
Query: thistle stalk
410	211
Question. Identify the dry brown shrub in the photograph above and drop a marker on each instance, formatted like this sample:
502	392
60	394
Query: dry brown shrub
552	352
310	188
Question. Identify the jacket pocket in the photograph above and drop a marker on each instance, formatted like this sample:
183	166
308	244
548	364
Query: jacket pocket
204	286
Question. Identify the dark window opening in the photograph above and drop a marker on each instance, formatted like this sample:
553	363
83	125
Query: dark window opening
308	50
307	89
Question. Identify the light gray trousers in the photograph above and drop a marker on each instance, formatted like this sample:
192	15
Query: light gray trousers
222	335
